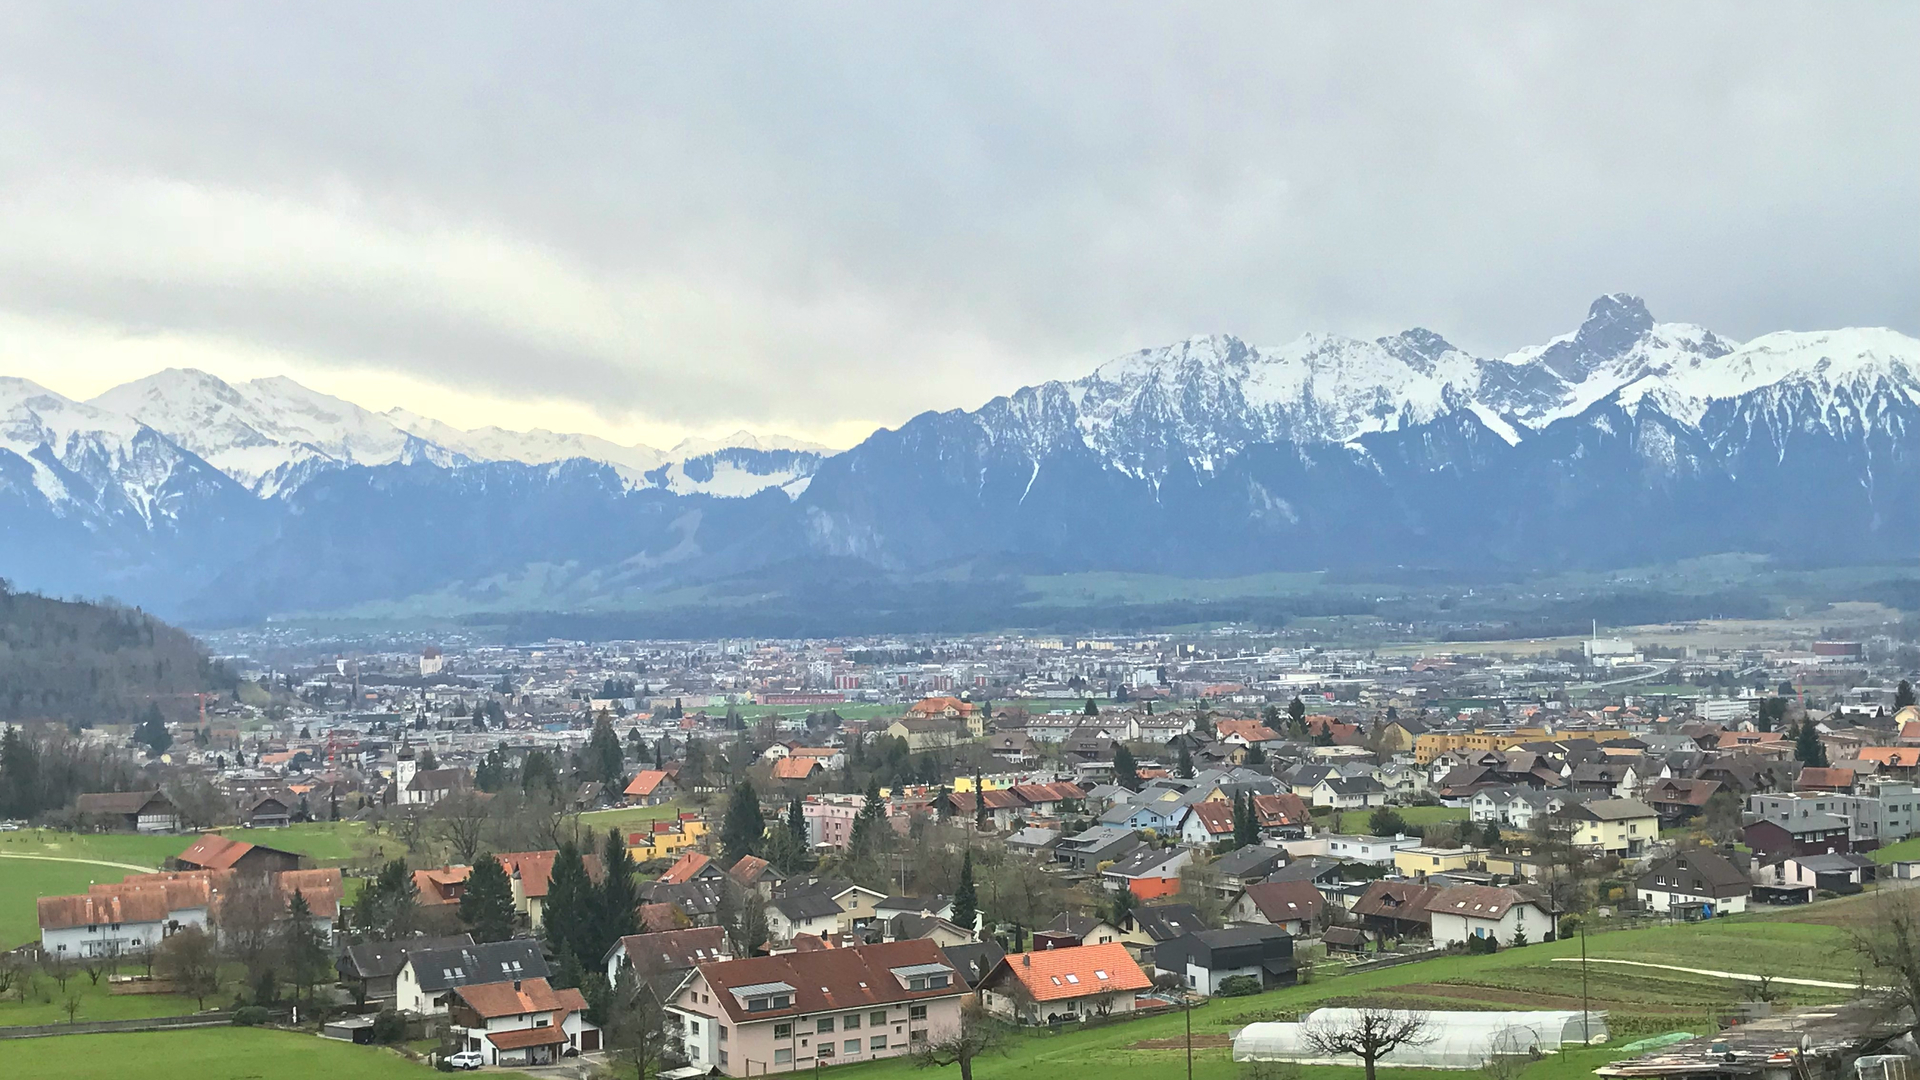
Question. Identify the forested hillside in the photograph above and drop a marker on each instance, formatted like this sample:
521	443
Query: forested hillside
94	663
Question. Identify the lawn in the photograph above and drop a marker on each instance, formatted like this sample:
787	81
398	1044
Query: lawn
23	881
327	843
629	816
223	1053
45	1002
1640	1002
1355	821
1900	852
143	851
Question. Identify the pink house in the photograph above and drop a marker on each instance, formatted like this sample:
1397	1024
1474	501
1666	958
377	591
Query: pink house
830	824
804	1010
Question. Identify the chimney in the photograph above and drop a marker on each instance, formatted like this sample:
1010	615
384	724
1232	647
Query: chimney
516	986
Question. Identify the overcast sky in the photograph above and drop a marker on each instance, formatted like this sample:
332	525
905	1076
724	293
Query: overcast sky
652	221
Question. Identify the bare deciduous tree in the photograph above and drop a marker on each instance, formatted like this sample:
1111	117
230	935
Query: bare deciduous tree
976	1034
461	820
1890	944
189	960
1370	1035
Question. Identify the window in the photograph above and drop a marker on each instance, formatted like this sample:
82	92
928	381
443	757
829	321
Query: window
918	982
938	982
877	1018
723	1033
781	1001
757	1004
877	1042
850	1022
852	1046
823	1026
694	1027
723	1057
826	1049
916	1036
916	1012
782	1056
783	1031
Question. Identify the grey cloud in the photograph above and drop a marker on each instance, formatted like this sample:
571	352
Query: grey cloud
862	212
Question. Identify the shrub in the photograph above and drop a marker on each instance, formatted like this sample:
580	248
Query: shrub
1238	986
389	1027
251	1016
443	1065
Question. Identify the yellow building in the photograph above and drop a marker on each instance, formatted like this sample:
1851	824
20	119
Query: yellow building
1418	862
1434	743
666	839
1615	826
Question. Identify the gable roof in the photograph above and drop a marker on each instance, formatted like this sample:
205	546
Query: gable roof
463	965
674	950
1215	817
508	998
381	959
1164	922
831	979
646	782
1285	808
1482	901
118	802
1280	901
1402	900
684	868
796	768
1062	974
130	906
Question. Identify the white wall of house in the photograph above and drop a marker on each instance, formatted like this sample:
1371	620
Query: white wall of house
1664	900
1454	929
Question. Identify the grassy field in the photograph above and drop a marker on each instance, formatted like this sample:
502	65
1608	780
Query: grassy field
143	851
1900	852
22	881
1641	1002
327	843
1355	821
628	817
225	1053
45	1002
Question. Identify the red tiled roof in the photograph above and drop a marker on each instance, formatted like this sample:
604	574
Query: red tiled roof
1282	809
795	768
1060	974
532	995
521	1038
1216	816
832	979
645	782
135	905
682	871
214	852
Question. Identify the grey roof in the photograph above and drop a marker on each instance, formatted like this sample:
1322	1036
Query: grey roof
1246	861
1139	862
494	961
973	960
1095	837
807	906
1164	922
1033	836
761	989
382	959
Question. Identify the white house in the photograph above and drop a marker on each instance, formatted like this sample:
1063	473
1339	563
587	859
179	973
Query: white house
1698	879
1349	793
1372	850
522	1022
1461	912
808	913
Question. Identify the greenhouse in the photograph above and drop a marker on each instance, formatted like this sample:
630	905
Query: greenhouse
1452	1040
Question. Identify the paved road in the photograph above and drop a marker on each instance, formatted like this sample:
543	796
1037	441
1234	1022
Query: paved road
86	862
1741	976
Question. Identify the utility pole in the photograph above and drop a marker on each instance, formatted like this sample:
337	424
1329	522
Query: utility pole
1186	1000
1586	1036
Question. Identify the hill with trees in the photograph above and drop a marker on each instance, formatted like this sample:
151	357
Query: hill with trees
86	663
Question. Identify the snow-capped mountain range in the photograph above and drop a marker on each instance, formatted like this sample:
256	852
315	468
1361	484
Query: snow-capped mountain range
271	435
1625	440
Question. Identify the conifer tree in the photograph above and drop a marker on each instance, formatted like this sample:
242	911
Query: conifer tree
1184	769
744	829
966	903
1126	772
1297	717
979	801
570	908
604	760
797	822
305	954
1808	747
486	907
618	900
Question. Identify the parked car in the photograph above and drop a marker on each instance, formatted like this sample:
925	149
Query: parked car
467	1059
